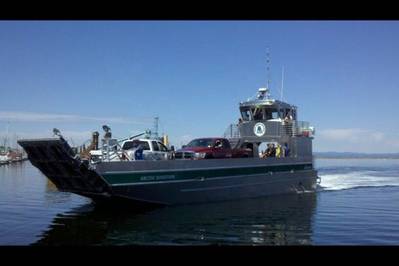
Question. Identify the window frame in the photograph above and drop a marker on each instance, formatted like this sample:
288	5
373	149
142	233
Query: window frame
161	145
155	147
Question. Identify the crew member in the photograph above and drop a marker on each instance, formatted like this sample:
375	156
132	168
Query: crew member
138	154
272	151
278	151
286	150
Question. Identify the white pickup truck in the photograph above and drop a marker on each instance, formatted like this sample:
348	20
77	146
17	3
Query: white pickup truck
152	150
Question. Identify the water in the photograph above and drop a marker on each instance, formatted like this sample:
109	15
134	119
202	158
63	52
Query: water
357	203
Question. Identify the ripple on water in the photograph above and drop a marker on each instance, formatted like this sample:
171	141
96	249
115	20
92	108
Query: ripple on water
33	211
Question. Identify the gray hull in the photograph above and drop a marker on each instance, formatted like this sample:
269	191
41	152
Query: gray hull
170	182
219	189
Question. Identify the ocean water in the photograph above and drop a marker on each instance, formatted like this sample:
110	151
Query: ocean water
357	203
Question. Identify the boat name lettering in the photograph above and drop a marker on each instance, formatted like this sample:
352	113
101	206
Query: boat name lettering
157	177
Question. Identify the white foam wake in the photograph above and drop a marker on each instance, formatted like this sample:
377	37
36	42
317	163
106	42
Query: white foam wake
357	179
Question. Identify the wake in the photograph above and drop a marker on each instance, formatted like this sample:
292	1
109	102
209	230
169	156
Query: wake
355	179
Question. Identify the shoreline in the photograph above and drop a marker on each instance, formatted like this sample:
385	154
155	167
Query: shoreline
346	158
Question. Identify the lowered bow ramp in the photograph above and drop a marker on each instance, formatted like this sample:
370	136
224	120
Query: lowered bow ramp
56	160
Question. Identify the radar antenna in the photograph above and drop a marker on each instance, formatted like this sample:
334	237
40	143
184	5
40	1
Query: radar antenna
268	68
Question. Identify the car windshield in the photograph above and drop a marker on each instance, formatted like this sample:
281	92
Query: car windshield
201	143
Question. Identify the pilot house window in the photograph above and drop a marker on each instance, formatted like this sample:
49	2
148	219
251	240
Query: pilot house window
272	114
257	113
246	115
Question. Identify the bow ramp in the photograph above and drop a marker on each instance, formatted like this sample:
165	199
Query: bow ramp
58	162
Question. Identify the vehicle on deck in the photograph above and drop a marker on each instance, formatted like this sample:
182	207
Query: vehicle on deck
210	148
151	149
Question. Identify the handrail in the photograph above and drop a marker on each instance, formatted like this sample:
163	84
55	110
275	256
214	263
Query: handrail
284	128
232	131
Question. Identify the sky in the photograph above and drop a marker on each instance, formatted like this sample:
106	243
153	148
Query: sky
78	75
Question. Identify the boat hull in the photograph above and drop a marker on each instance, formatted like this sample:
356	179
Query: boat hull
198	181
173	181
219	189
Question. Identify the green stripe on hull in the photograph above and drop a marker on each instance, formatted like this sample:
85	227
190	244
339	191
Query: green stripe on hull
132	177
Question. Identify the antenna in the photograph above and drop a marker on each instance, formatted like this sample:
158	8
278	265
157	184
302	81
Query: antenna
156	120
14	141
268	68
282	84
7	131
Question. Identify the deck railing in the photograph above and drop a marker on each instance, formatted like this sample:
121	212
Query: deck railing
303	128
273	128
232	131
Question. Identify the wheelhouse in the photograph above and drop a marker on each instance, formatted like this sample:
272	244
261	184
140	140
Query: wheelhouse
262	108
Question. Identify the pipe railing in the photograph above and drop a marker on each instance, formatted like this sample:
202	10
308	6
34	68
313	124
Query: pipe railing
285	128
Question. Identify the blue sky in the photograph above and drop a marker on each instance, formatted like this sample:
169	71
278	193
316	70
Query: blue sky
77	75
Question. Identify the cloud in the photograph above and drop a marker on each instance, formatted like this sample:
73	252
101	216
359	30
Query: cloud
349	134
356	140
74	137
10	116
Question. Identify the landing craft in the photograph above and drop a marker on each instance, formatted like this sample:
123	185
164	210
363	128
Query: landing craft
180	181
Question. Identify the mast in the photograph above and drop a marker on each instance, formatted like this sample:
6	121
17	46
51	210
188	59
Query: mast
6	137
268	68
156	120
282	84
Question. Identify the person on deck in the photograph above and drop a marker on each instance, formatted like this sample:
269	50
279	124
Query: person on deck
272	151
278	151
286	150
267	152
138	154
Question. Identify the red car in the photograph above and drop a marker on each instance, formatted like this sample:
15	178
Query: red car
210	148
